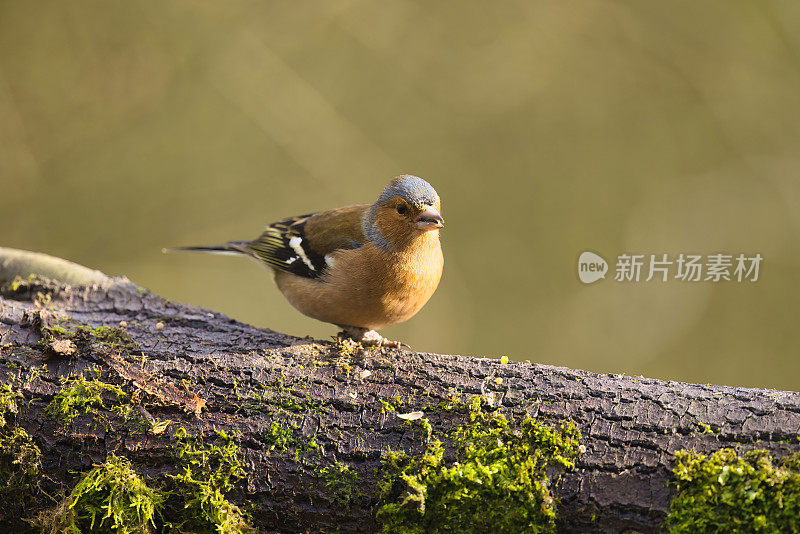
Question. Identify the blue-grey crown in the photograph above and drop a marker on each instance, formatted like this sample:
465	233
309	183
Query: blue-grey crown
413	190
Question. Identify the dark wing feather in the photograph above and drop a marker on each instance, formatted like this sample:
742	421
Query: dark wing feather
299	244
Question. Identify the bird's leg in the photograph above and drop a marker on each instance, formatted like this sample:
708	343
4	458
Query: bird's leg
370	338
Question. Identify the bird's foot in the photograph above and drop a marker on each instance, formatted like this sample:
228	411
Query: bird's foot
370	338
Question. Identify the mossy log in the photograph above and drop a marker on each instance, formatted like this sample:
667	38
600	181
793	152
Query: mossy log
183	367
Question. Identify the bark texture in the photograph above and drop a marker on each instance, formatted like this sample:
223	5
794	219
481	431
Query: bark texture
203	371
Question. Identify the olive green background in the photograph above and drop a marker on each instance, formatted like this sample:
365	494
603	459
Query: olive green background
548	128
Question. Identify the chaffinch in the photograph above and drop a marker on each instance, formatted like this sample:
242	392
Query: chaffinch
361	267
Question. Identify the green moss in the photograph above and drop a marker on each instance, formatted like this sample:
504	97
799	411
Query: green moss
113	337
287	403
42	300
20	458
727	492
706	428
58	331
208	471
307	449
390	405
112	498
425	428
386	406
21	284
284	435
341	481
109	498
422	427
264	397
496	483
79	395
280	436
347	347
8	403
17	283
474	407
306	445
452	403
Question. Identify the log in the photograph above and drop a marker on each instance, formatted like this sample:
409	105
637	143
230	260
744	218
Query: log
190	370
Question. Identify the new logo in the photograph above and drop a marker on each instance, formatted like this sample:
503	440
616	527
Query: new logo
591	267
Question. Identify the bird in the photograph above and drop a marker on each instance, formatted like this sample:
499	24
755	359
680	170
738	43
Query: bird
363	267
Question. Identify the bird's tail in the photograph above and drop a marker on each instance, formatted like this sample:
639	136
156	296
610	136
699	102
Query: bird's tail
232	248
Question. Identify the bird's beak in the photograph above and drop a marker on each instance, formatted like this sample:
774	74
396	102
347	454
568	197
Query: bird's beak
429	219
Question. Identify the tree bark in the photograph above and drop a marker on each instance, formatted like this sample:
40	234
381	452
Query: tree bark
204	371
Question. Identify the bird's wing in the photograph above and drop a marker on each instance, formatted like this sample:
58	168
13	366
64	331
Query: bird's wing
299	244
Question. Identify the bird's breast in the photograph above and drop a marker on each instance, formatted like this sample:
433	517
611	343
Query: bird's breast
409	282
368	287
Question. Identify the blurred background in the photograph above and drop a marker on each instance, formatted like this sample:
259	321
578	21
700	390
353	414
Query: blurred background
548	128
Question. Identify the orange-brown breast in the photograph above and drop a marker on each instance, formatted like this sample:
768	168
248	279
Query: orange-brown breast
369	287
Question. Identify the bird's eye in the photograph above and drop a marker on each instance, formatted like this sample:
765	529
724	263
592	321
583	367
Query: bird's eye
402	209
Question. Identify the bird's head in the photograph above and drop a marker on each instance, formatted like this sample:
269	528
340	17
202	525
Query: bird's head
407	208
